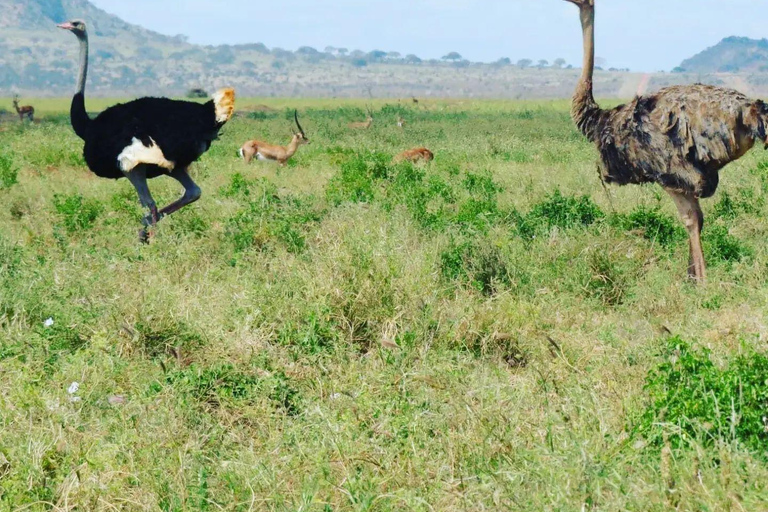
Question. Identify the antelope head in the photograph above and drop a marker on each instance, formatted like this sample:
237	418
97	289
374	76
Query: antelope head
300	136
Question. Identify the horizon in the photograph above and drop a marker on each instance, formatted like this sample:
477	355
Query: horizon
509	29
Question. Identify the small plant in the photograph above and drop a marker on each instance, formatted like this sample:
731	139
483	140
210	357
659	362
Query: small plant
653	225
78	213
721	246
481	265
225	385
607	282
692	398
8	172
356	180
158	338
558	211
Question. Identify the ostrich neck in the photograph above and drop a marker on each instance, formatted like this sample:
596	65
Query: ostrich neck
83	64
585	110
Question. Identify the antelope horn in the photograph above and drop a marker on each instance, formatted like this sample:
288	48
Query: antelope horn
296	117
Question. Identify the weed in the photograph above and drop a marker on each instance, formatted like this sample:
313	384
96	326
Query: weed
8	172
654	225
692	398
77	212
721	246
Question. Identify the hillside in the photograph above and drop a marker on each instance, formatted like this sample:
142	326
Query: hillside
732	54
36	59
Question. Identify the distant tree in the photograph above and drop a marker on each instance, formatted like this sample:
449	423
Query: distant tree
452	56
342	51
393	55
283	54
412	59
330	50
278	64
600	62
504	61
376	55
524	63
357	54
359	63
307	50
678	69
197	93
543	63
559	63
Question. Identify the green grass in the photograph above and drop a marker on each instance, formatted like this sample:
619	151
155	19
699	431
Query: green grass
489	331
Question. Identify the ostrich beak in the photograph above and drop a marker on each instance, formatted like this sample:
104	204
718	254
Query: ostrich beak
66	26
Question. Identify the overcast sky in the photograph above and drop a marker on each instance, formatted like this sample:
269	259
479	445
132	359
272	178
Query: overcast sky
644	35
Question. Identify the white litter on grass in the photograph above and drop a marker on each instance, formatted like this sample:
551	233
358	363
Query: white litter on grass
48	322
72	389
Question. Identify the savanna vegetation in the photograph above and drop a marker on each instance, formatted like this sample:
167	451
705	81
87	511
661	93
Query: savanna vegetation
490	331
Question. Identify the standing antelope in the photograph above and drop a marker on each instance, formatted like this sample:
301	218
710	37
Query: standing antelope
280	154
27	111
415	155
363	125
400	122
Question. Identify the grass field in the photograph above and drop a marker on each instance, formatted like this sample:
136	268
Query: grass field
492	331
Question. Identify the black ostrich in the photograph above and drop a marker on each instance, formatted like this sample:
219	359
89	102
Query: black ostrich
147	137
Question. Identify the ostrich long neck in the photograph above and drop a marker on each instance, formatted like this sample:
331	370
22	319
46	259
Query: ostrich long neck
585	111
77	113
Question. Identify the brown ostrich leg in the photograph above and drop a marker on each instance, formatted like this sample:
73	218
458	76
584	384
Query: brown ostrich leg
690	212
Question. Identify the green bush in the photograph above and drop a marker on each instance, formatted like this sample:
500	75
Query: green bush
77	213
653	224
721	246
356	181
480	265
225	385
8	172
692	398
558	211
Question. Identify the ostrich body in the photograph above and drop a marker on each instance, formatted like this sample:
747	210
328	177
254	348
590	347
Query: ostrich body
271	152
147	137
679	138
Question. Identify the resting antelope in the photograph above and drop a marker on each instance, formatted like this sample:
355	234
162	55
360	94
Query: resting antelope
415	155
363	125
27	111
280	154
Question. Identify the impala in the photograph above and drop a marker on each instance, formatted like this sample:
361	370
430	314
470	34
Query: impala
27	111
280	154
363	125
415	155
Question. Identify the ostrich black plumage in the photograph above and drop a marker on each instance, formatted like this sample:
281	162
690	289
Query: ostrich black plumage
147	137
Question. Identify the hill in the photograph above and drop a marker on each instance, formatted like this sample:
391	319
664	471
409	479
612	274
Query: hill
36	59
731	55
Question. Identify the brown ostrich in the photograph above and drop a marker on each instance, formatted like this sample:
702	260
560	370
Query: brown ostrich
679	138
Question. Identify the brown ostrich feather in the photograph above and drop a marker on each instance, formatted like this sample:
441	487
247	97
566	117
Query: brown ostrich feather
679	137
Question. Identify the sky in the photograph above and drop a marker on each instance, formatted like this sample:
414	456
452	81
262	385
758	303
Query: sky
643	35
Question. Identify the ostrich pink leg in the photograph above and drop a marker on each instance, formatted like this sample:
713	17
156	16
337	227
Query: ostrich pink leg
690	212
191	192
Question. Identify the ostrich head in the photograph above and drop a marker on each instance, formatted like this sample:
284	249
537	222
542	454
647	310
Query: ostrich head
77	27
582	3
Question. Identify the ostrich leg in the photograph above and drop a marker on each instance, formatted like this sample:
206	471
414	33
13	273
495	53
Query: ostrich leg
690	212
138	178
191	192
